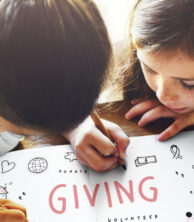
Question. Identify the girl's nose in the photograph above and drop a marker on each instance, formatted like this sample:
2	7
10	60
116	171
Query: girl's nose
166	92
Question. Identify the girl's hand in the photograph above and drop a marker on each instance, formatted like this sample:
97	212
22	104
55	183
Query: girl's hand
12	212
94	149
153	110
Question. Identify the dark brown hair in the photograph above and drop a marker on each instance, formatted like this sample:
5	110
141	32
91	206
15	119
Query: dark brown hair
53	59
156	26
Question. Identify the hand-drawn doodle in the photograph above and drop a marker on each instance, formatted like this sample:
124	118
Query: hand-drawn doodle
84	171
20	197
3	193
70	156
37	165
141	161
7	166
175	152
190	217
5	185
177	173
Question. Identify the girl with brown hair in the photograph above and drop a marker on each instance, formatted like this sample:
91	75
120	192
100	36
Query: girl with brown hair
160	77
54	56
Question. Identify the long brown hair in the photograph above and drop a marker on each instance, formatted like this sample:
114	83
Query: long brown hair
156	26
53	58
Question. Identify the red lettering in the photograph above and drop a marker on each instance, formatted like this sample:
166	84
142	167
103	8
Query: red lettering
75	196
108	194
120	191
155	191
93	198
60	199
129	194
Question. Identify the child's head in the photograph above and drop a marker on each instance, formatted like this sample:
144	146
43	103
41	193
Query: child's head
53	59
162	46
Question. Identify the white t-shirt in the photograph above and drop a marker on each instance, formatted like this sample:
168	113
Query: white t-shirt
8	141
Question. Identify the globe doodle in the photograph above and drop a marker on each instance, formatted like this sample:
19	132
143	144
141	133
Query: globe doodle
37	165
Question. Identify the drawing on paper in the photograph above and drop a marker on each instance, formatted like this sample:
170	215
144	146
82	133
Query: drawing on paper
190	217
177	173
141	161
23	194
7	166
3	193
70	156
37	165
174	149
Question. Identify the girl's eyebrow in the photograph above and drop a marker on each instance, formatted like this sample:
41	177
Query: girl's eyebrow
148	67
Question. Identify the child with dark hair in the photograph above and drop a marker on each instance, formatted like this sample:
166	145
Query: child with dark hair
160	78
54	55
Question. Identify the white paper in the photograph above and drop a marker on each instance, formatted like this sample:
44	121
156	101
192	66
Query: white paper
158	185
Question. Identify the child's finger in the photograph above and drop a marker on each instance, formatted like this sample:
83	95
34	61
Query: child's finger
81	159
101	143
11	205
122	143
136	101
113	166
140	108
156	113
173	129
94	160
120	138
12	215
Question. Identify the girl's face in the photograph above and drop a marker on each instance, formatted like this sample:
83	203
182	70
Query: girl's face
171	76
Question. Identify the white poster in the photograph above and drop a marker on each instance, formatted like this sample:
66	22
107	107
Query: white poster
158	185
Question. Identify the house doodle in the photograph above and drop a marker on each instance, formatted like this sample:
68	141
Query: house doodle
3	193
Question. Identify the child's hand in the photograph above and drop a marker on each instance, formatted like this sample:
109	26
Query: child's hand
153	110
94	149
12	212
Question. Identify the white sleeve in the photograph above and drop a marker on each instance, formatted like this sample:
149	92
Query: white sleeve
9	141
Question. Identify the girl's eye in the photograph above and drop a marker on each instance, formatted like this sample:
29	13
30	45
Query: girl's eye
148	70
187	85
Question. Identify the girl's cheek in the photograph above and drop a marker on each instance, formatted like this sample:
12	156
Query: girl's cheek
151	81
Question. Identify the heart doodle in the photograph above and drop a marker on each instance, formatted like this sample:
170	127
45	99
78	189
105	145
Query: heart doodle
6	166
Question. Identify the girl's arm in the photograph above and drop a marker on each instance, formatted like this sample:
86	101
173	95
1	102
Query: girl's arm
94	149
153	109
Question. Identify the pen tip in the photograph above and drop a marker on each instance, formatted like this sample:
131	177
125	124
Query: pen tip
122	162
124	166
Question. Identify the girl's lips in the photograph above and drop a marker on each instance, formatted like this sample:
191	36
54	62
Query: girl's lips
178	109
